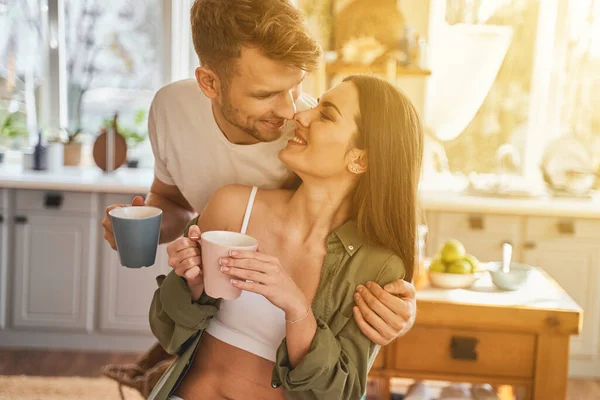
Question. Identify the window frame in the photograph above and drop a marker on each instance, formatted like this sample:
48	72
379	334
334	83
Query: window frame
174	54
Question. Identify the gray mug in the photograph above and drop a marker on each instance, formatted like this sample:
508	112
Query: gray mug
137	231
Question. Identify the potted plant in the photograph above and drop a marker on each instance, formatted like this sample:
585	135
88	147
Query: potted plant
72	147
13	127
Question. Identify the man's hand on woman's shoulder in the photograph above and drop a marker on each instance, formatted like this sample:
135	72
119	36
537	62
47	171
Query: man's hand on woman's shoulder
383	314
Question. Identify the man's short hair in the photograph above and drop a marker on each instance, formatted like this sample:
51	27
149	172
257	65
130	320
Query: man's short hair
221	28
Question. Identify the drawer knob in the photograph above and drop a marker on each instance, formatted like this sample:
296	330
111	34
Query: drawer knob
565	227
475	222
53	200
463	348
20	219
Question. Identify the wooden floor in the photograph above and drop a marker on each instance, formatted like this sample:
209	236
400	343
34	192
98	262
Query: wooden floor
69	363
58	363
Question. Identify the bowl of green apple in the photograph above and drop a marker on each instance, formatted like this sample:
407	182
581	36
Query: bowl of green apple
453	267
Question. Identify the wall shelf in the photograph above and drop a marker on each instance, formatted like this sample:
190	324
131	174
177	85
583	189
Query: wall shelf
388	68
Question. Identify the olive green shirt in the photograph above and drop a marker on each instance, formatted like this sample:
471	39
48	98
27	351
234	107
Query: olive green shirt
340	355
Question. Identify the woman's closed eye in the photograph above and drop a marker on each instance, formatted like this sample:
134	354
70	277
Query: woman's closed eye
264	96
325	116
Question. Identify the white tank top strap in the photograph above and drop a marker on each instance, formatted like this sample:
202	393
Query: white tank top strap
249	209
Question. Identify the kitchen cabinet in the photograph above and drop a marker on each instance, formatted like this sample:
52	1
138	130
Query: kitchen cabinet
126	293
3	258
67	287
54	261
574	266
568	249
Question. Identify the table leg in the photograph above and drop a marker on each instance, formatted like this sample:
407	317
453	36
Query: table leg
505	392
378	388
551	367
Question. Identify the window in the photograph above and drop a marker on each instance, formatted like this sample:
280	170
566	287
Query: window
579	76
20	69
547	83
113	60
502	118
80	61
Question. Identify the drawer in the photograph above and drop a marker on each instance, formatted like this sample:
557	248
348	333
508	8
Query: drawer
456	224
455	351
48	200
557	228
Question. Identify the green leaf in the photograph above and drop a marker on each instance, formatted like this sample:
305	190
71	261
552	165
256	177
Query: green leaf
140	117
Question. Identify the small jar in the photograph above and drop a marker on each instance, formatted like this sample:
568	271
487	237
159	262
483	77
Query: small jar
421	274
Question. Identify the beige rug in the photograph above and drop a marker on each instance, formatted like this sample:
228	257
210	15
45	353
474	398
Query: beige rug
59	388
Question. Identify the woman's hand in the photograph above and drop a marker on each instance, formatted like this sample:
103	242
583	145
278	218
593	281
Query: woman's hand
268	278
185	258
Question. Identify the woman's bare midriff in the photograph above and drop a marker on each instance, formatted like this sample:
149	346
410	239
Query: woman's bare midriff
220	371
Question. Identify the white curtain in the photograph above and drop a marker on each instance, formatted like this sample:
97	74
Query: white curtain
465	60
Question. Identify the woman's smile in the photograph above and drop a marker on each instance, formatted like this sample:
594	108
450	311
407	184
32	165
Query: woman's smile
297	139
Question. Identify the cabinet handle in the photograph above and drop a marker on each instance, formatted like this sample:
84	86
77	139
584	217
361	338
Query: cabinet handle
20	219
463	348
475	222
529	245
1	218
566	227
53	200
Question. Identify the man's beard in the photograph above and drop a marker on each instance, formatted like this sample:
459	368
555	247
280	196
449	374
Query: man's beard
230	115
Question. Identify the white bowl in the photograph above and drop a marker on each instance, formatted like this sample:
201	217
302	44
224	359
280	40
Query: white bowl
447	280
514	279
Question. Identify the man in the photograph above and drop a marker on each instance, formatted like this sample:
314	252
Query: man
227	126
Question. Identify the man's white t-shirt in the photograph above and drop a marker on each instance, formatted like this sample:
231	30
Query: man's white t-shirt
192	153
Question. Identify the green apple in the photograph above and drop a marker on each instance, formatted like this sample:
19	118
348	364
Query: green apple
453	250
437	265
460	267
471	259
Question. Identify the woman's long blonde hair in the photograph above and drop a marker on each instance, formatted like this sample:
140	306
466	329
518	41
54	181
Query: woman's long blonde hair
385	199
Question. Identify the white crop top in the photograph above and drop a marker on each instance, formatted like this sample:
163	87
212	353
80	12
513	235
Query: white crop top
249	322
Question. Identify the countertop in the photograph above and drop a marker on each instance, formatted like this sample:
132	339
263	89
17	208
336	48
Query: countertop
138	181
541	206
89	179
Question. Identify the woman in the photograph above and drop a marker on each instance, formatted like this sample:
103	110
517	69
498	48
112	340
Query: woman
352	220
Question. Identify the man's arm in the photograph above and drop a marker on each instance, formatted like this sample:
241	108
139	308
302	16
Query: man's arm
177	212
383	314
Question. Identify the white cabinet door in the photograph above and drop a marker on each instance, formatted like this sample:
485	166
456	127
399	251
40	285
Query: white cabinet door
575	265
3	267
52	266
126	293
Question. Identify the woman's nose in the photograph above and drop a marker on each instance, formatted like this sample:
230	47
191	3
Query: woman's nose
302	118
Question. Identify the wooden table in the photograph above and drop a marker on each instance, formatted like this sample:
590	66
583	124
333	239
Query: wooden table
484	335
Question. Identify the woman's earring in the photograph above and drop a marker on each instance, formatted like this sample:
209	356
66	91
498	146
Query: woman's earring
352	168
